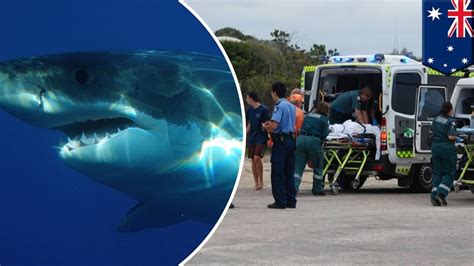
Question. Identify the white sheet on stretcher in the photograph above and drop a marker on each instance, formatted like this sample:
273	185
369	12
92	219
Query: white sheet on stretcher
349	128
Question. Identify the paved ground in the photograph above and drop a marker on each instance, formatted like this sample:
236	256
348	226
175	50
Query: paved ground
380	224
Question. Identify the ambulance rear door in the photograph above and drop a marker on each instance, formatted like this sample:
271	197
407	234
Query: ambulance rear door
429	100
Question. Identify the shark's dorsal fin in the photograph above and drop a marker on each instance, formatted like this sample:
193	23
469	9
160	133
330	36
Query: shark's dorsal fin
143	216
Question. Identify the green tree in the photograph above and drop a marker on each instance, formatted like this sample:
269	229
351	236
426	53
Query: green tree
260	63
406	52
318	52
231	32
281	38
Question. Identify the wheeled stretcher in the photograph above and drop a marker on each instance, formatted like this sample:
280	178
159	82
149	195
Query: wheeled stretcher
349	151
465	147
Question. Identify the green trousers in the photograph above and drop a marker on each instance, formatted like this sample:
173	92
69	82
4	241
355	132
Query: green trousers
309	148
444	168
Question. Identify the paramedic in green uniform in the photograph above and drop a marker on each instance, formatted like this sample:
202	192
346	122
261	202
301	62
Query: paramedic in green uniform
309	147
444	155
354	101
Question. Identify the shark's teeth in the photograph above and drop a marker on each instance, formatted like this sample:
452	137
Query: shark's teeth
73	145
83	136
83	140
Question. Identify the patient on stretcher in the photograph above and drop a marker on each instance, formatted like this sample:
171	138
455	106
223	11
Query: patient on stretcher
350	132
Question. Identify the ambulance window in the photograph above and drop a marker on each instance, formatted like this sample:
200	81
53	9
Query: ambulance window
308	80
404	92
465	102
430	103
308	84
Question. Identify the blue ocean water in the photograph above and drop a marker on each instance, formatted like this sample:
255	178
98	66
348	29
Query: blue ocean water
50	214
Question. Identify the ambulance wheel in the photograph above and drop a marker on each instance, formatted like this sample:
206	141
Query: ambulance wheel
422	175
349	182
472	189
355	184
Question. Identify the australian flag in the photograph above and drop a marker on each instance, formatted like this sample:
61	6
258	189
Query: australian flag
448	35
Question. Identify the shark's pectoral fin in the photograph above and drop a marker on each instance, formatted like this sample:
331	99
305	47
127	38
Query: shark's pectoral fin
143	216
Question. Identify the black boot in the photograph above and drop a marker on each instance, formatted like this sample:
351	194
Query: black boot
275	206
435	202
322	193
442	199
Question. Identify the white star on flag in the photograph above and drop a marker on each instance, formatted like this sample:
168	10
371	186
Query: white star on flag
453	70
430	60
464	60
445	65
434	13
450	48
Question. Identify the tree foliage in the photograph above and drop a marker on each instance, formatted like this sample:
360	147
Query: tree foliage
235	33
404	51
260	63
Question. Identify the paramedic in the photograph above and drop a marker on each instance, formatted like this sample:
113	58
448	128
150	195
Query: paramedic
309	147
354	101
444	155
282	131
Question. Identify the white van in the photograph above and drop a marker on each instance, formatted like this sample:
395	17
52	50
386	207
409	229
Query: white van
396	82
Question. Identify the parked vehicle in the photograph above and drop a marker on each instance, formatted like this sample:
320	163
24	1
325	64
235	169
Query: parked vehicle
404	102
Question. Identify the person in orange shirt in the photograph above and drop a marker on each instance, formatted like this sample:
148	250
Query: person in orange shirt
297	91
297	100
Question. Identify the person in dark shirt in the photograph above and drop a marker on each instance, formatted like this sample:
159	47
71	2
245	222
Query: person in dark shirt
309	147
444	154
256	136
348	103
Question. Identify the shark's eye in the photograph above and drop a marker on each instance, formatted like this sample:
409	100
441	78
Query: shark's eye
82	76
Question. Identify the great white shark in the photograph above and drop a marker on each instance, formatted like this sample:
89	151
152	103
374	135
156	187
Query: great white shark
162	127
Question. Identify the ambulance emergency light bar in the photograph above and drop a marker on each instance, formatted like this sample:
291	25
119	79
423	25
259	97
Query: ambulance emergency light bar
377	58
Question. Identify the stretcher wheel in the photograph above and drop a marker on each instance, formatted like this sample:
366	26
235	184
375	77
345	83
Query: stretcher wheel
457	187
355	184
347	181
335	189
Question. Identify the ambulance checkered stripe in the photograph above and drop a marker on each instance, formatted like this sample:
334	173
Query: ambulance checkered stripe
455	74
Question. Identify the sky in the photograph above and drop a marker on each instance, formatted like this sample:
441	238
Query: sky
351	26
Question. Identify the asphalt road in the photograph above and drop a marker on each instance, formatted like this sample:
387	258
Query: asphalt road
380	224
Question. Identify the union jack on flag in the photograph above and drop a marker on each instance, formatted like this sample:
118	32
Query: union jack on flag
448	35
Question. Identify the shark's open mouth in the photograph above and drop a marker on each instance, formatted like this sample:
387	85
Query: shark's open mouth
91	132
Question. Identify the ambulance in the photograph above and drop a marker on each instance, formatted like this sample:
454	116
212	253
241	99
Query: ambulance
407	95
